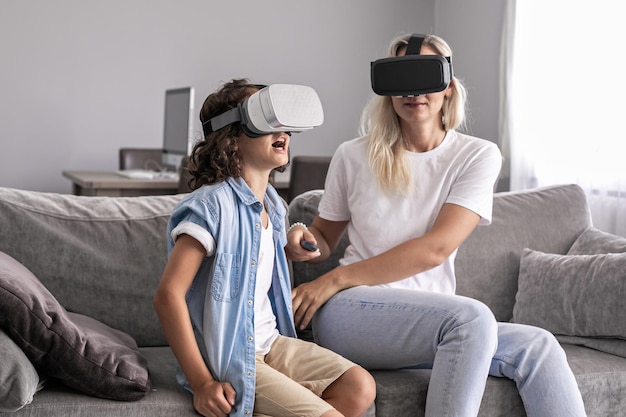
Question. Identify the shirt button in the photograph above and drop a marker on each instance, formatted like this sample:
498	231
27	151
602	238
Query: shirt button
256	225
253	263
249	373
249	302
247	412
250	338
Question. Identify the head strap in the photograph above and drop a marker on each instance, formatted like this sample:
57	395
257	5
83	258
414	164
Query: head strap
224	119
414	45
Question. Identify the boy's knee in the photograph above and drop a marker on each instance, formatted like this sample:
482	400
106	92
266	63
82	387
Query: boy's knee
364	384
359	388
367	387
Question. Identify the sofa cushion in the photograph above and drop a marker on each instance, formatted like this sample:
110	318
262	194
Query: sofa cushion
167	398
572	295
594	241
81	352
19	380
93	253
601	378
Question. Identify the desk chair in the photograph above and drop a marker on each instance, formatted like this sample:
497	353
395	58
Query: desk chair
141	158
183	177
307	173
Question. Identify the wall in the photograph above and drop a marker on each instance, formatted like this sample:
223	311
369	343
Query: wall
82	79
474	29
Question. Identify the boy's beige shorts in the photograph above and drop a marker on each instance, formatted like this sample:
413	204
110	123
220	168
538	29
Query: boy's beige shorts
290	379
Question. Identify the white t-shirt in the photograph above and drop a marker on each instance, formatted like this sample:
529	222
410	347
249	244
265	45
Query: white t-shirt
462	170
264	319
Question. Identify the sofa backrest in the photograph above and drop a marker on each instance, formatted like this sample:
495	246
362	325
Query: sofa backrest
103	256
487	265
99	256
546	219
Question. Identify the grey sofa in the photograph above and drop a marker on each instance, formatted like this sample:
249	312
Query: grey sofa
102	257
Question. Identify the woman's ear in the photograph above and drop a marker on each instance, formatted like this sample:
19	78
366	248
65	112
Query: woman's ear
449	89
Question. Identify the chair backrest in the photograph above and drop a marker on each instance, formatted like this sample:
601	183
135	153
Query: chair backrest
307	173
141	158
184	176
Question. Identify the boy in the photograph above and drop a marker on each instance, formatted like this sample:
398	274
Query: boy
224	300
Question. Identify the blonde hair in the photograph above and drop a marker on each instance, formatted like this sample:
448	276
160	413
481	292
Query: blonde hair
386	153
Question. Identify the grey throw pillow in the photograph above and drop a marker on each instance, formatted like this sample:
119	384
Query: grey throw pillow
81	352
594	241
572	295
19	380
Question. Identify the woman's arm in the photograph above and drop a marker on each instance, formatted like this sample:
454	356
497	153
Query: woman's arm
185	259
452	226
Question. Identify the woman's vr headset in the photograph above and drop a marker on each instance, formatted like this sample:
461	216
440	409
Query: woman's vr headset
412	74
275	108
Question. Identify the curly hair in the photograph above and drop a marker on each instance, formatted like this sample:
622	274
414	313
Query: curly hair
215	158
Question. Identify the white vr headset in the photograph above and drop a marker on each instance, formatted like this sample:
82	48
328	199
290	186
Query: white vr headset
274	108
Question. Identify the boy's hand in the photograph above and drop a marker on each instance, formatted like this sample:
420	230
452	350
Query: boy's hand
214	399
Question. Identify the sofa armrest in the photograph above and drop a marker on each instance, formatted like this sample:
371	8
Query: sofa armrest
303	208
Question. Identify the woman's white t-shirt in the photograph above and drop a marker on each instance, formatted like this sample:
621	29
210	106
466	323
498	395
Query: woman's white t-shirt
462	170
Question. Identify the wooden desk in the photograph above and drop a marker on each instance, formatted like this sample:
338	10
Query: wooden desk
106	183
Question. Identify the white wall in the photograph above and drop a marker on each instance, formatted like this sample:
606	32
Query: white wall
80	79
474	29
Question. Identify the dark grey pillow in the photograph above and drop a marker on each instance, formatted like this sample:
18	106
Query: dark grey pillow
594	241
19	380
83	353
572	295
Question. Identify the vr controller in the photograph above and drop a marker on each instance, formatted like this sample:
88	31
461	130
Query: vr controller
274	108
412	74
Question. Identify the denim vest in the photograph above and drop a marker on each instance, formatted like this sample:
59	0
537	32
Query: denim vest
221	297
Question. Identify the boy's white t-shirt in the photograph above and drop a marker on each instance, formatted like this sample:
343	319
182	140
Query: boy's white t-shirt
462	170
264	319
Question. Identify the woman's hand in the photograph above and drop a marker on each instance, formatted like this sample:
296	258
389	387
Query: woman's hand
294	249
214	399
323	233
310	296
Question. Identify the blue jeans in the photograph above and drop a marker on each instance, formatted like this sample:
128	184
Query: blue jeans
459	337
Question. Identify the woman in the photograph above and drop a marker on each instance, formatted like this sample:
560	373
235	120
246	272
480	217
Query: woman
224	298
410	191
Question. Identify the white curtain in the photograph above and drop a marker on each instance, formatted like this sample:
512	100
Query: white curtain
562	101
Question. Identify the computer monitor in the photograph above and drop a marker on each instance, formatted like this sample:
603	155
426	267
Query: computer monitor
178	126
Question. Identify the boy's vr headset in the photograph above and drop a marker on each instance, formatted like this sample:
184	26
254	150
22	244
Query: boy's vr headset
412	74
274	108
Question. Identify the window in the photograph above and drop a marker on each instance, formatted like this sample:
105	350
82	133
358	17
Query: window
567	102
